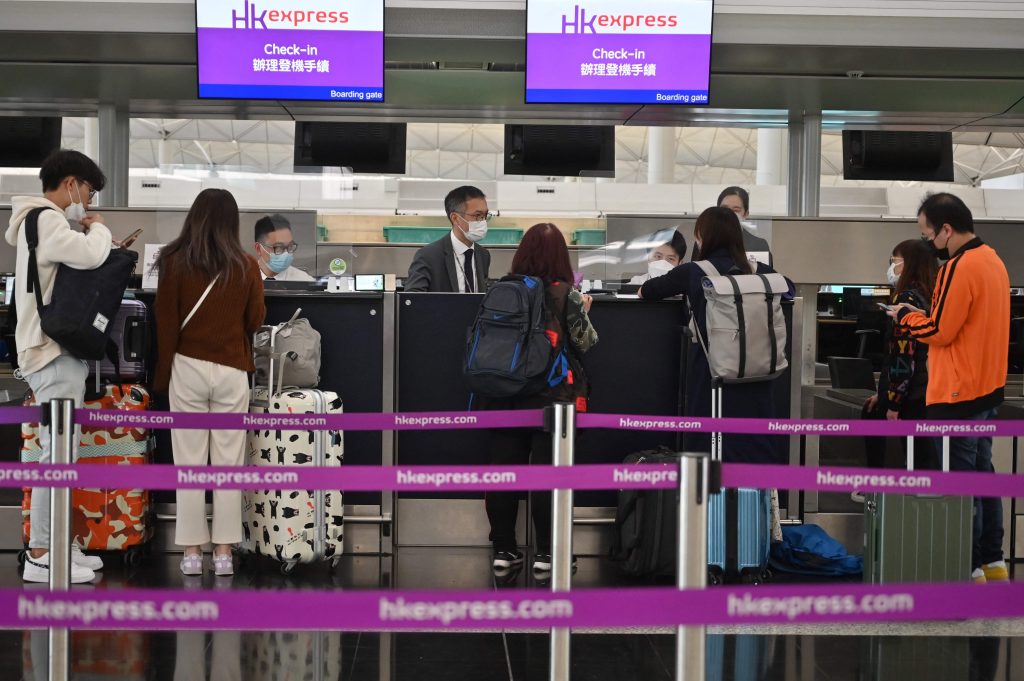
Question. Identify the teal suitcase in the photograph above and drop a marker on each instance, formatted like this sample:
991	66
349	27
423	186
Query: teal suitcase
918	537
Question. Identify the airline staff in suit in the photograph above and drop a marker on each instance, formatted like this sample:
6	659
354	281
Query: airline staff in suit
456	262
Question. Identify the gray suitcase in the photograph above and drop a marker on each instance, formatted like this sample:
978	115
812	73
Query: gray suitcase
918	537
130	331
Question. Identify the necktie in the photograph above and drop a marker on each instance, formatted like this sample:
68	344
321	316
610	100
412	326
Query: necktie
468	270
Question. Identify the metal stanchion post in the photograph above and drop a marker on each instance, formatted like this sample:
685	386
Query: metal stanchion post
563	436
62	442
692	558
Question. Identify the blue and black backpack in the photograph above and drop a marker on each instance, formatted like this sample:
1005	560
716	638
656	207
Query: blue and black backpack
809	550
517	346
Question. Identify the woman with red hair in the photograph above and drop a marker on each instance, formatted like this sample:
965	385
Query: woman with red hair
542	254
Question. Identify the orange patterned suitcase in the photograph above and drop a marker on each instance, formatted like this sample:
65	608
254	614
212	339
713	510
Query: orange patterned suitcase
105	519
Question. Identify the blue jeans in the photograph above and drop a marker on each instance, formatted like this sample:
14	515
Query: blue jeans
975	454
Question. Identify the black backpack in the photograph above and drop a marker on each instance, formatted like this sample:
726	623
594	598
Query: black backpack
84	302
515	348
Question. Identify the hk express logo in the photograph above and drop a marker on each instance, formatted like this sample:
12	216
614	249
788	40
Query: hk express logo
252	18
581	22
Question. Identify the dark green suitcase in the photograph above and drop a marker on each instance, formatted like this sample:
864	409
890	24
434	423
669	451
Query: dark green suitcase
898	658
918	537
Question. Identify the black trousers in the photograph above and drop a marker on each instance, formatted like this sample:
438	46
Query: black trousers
517	447
925	455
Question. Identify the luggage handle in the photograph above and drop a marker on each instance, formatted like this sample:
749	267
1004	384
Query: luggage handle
715	465
945	460
945	453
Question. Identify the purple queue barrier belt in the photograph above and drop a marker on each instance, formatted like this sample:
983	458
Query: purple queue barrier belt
695	424
12	415
520	419
132	609
442	420
503	478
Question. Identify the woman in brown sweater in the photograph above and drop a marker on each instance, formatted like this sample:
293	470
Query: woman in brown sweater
208	304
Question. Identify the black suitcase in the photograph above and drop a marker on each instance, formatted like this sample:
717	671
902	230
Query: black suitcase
646	522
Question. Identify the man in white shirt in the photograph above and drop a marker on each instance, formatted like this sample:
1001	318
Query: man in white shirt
70	181
455	263
275	250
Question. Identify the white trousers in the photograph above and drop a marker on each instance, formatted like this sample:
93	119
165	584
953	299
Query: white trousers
200	386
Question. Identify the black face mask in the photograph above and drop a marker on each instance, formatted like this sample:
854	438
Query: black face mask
940	253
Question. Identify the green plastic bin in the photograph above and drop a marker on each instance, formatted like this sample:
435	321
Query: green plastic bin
589	237
503	236
413	235
496	236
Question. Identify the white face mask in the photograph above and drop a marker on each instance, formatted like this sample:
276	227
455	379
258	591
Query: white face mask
477	230
891	275
656	268
76	211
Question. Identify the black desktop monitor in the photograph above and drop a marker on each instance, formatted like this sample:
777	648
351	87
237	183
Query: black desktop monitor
363	147
25	142
851	302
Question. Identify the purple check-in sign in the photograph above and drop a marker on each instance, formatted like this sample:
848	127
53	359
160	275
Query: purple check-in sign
612	51
281	49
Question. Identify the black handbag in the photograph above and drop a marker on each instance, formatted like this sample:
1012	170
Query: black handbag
84	302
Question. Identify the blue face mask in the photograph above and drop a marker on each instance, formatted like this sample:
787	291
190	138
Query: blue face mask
279	262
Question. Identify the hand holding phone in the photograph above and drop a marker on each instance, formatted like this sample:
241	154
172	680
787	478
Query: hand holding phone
887	308
130	239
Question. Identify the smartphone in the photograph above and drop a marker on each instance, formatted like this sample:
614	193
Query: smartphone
130	239
885	307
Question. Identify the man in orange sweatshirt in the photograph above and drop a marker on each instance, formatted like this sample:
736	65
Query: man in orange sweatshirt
968	334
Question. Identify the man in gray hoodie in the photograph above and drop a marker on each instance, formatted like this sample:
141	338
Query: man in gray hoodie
70	181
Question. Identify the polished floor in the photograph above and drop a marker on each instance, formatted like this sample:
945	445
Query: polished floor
971	651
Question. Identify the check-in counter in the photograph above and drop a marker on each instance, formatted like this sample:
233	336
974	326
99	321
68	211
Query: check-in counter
353	361
386	352
634	368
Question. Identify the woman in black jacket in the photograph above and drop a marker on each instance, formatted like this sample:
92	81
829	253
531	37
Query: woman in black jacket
719	240
904	377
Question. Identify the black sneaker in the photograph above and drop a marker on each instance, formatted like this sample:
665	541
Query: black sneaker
507	576
542	562
506	559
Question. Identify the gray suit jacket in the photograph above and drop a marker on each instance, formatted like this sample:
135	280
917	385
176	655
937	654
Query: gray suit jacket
433	268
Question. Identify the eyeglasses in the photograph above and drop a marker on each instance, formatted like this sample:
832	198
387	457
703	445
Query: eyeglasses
92	192
478	216
281	249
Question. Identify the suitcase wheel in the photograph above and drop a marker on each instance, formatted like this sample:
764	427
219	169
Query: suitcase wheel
714	578
286	568
133	557
755	577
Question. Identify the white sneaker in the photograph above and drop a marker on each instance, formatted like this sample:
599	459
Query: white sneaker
94	563
38	570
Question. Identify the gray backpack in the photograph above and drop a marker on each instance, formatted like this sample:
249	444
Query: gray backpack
746	330
291	352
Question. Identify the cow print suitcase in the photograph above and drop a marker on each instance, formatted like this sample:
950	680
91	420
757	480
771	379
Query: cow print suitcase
294	526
